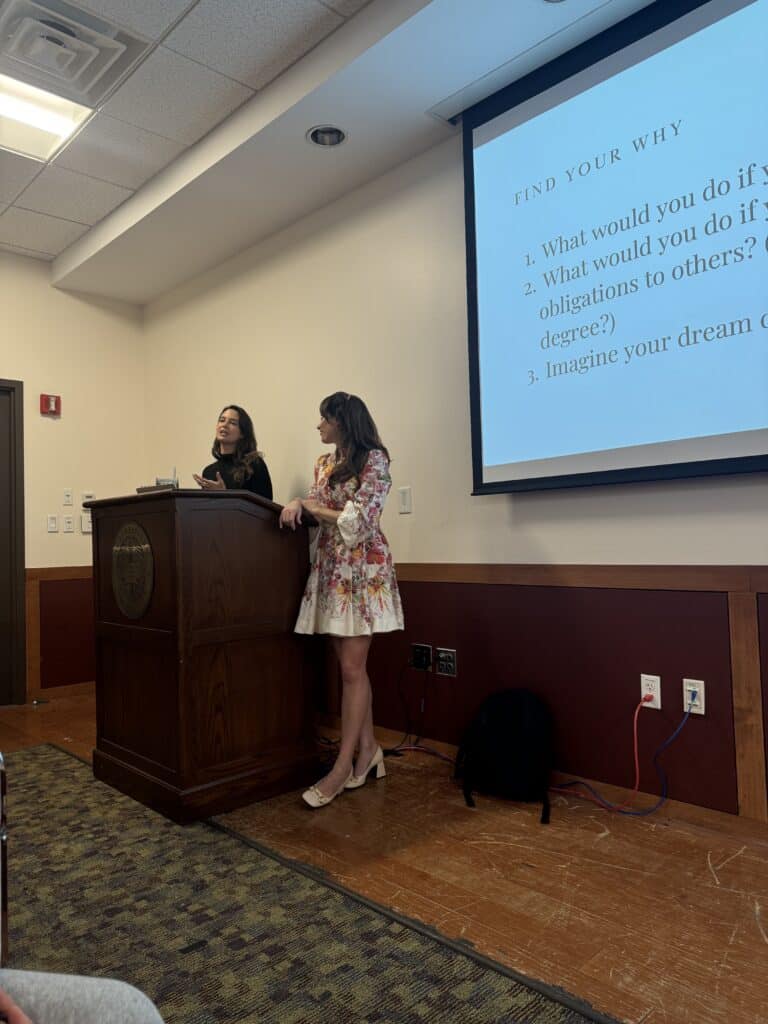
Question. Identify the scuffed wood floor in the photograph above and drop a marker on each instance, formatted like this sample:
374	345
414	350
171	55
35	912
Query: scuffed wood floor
660	920
657	920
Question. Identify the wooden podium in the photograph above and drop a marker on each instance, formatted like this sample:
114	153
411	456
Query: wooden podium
204	694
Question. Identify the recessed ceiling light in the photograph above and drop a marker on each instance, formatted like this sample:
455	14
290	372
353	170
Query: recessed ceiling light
34	122
326	135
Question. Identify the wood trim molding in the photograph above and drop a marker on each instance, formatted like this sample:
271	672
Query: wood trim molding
33	637
758	579
747	706
60	572
33	579
724	578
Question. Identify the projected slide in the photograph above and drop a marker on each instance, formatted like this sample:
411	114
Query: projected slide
621	238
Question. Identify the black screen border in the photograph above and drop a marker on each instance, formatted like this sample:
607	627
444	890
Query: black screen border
637	26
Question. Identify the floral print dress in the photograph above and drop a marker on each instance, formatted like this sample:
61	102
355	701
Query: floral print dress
352	590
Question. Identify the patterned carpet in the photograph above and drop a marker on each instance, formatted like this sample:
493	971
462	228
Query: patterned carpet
213	929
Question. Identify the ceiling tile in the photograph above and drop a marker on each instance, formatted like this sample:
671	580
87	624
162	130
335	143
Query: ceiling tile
118	152
63	193
176	97
15	173
19	250
38	231
346	7
252	42
148	17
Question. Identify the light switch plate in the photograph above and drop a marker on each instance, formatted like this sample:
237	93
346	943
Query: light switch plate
404	500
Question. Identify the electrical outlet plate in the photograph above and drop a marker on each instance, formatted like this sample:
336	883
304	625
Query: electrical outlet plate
651	685
445	661
68	524
691	686
421	656
67	495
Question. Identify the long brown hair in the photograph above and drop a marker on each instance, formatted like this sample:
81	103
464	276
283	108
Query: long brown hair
246	451
358	434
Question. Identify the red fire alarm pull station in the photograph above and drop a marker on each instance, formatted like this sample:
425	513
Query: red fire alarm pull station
50	405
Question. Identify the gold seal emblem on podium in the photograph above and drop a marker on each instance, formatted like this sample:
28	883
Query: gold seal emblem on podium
133	570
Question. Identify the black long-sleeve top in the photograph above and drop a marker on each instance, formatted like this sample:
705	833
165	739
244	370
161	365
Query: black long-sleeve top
259	482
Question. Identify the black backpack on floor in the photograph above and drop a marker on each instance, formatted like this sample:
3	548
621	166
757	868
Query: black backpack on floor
507	749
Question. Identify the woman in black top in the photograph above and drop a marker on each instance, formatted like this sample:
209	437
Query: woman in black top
239	465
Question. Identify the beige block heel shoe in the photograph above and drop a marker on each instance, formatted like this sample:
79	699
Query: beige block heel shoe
377	762
315	798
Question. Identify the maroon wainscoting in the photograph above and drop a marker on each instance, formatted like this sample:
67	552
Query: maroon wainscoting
67	631
762	625
582	649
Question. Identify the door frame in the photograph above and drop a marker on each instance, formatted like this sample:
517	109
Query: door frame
15	388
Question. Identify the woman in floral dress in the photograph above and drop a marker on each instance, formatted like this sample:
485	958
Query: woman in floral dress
352	591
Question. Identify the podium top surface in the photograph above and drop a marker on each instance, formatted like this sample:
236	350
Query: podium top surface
182	494
193	494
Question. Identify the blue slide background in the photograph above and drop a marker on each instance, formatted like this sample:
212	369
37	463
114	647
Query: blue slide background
714	84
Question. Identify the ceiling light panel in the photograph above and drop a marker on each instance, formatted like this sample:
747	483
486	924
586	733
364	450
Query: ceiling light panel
33	122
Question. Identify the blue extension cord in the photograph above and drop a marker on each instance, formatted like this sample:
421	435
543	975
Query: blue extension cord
659	772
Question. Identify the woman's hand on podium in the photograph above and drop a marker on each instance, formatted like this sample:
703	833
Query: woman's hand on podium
291	513
210	485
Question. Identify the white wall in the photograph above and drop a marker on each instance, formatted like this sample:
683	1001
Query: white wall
92	354
368	295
